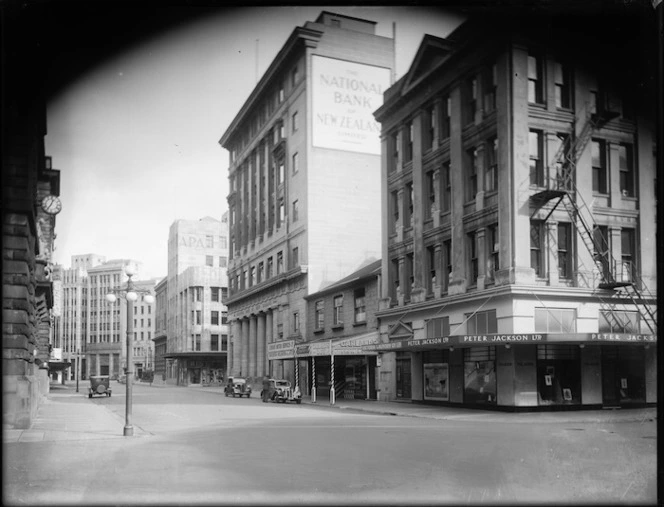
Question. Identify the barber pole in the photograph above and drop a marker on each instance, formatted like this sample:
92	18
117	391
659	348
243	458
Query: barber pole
297	369
313	380
332	374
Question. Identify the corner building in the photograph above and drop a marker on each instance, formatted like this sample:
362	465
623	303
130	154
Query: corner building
304	179
519	251
192	322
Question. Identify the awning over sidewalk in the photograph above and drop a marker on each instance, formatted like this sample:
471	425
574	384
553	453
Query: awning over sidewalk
359	345
514	339
58	365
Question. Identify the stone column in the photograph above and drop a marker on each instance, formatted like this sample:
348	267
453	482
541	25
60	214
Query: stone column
260	345
110	364
269	336
252	346
244	358
482	256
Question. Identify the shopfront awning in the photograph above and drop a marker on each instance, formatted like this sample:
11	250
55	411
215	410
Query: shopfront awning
358	345
445	342
195	355
58	365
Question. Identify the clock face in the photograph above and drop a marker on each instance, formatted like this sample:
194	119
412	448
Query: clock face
51	204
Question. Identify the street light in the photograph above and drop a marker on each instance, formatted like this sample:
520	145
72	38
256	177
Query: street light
131	294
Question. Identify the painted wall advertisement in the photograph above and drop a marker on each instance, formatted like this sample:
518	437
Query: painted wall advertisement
436	380
344	98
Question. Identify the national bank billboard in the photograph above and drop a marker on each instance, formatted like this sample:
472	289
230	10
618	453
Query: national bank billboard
344	98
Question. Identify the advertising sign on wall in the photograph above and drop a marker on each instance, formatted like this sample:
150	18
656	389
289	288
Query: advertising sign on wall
344	98
436	380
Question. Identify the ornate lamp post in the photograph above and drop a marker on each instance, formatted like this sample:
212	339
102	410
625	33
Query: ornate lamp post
131	294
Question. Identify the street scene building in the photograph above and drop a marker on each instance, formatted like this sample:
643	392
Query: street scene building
304	182
70	326
345	332
106	346
194	320
519	246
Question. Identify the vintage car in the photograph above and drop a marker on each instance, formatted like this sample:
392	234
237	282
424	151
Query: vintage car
99	385
237	386
281	391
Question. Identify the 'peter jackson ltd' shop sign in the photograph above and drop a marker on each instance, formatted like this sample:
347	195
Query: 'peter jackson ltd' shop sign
527	338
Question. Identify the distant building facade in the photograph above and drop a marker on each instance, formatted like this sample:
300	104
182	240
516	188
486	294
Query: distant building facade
194	293
304	179
106	344
160	331
519	245
70	332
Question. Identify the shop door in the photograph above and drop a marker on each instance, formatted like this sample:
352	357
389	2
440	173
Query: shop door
403	378
195	377
609	387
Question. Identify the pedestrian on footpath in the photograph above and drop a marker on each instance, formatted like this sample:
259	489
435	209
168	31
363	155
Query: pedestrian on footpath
266	389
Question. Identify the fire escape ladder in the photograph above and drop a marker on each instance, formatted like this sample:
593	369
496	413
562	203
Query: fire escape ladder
560	184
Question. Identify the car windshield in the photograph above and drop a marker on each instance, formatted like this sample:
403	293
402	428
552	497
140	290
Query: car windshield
239	381
282	383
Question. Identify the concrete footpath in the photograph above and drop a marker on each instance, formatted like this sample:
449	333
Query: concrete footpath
65	414
410	409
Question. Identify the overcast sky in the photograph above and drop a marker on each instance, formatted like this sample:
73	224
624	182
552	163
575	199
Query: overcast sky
136	139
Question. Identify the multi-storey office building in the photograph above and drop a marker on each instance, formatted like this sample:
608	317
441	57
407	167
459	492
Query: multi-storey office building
160	330
519	217
106	345
70	332
304	178
196	288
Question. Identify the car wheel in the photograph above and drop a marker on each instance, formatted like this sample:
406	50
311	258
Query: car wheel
298	401
90	395
248	395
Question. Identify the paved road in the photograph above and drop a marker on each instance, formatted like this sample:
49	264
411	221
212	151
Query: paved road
198	447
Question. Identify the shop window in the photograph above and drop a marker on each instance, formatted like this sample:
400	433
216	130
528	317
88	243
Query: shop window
479	375
482	323
438	327
598	155
618	322
555	320
623	374
436	378
360	306
558	375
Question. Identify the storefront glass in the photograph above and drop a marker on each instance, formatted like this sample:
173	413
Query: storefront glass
558	375
623	374
436	375
480	375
